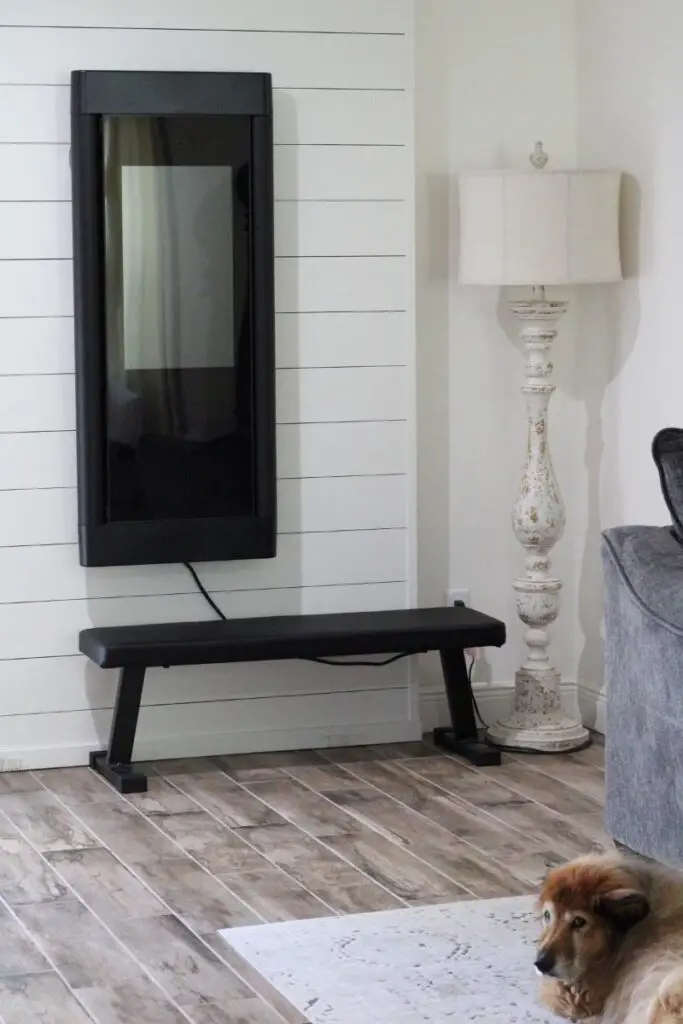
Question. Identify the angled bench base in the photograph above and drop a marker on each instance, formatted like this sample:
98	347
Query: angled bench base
134	649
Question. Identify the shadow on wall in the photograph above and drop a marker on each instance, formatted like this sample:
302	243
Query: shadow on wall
608	322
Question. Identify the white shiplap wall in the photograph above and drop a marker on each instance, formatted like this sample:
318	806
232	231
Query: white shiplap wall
342	74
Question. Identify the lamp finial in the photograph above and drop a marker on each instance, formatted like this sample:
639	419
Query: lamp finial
539	157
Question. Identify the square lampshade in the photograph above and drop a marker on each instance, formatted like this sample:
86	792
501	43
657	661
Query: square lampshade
539	227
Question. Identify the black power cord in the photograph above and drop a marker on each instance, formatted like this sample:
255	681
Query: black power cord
320	661
330	661
204	592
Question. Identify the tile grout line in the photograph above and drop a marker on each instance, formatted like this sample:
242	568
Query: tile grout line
239	836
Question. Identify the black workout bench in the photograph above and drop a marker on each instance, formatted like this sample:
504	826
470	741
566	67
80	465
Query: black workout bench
133	649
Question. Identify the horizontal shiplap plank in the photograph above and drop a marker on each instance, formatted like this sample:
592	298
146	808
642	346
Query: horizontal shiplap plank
38	114
303	450
339	339
36	288
357	117
40	173
295	60
342	449
235	15
341	393
340	229
50	629
52	573
58	684
341	172
181	730
316	284
311	284
43	230
49	516
46	516
35	231
37	460
37	345
37	403
318	395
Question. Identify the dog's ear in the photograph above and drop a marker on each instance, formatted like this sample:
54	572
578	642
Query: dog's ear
624	908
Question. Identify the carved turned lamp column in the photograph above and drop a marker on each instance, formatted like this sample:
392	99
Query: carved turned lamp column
538	228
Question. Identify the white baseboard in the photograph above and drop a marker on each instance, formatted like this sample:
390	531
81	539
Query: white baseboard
494	701
593	707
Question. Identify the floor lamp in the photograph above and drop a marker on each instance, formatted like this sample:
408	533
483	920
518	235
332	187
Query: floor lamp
538	228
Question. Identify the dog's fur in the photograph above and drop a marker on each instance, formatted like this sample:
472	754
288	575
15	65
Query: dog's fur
612	941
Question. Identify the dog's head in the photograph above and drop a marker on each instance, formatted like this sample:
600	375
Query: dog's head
587	908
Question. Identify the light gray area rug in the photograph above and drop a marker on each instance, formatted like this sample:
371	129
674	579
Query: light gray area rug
464	962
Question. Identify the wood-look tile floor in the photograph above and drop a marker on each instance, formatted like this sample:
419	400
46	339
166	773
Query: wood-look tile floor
109	905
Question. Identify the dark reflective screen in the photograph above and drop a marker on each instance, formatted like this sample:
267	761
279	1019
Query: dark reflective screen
179	395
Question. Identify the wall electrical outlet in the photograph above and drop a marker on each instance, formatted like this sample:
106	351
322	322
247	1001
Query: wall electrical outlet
458	594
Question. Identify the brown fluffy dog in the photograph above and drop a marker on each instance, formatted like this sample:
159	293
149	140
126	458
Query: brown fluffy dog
612	941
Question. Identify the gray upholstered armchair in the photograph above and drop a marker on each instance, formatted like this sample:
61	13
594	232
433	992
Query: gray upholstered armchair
643	570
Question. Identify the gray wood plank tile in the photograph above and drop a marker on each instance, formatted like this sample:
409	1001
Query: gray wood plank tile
78	785
320	778
259	984
39	999
266	766
111	891
525	858
564	835
18	954
239	1011
126	832
585	778
274	895
309	811
184	966
350	755
108	980
544	790
18	782
198	898
219	849
395	868
376	856
45	822
471	786
161	798
433	844
226	800
24	875
337	883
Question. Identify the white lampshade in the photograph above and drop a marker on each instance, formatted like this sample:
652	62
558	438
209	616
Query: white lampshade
539	227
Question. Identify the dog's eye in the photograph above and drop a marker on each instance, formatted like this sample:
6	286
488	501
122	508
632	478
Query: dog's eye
578	922
546	916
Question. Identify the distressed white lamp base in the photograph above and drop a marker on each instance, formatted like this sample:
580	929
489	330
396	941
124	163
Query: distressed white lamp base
537	722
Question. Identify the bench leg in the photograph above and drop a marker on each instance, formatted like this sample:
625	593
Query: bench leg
462	737
114	763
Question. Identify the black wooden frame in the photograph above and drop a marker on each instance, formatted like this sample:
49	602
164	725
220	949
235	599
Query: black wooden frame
95	94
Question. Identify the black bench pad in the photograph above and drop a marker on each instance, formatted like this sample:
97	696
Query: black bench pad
290	636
